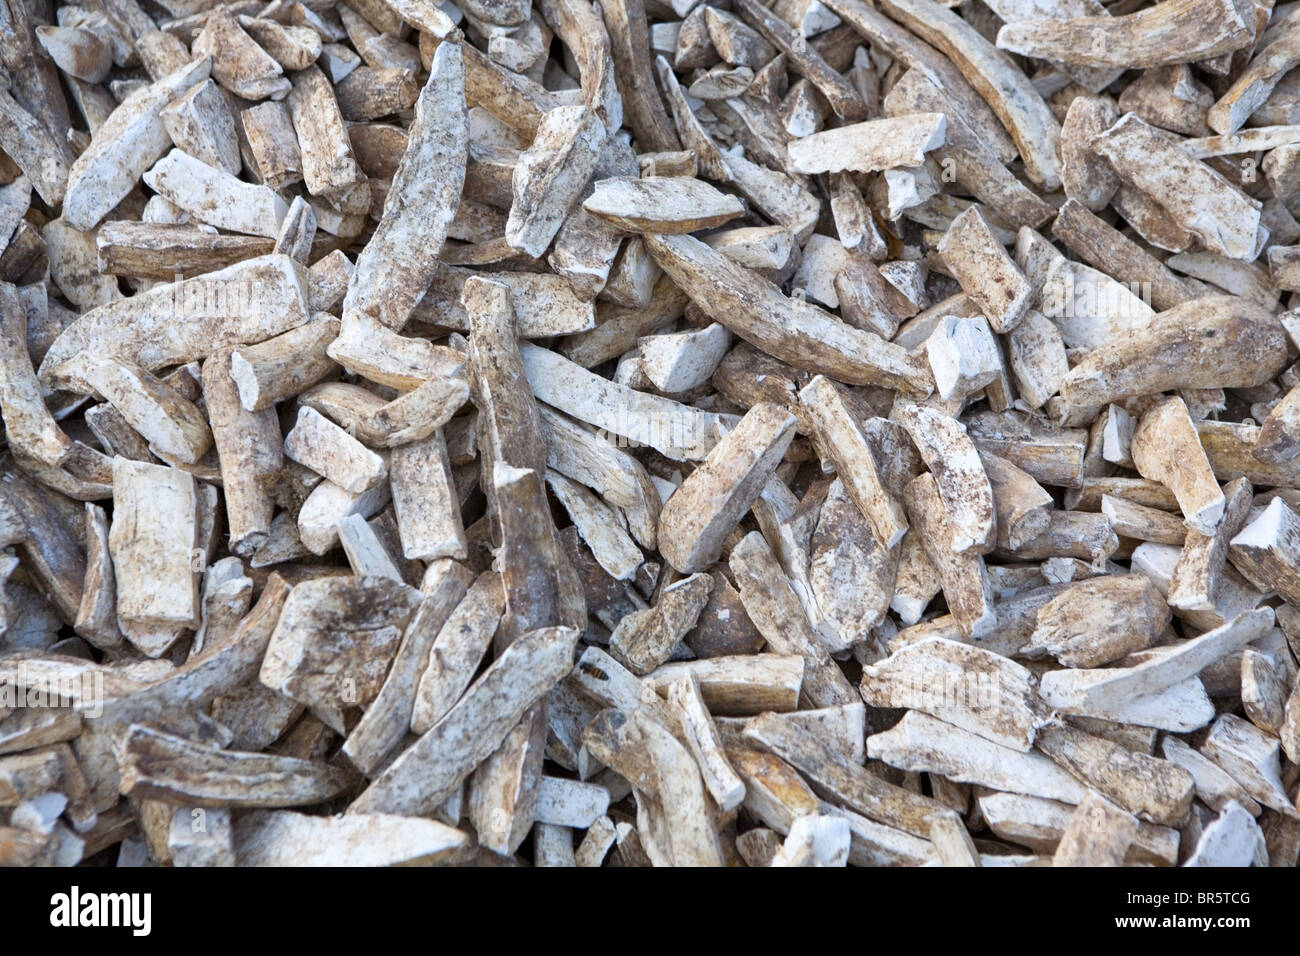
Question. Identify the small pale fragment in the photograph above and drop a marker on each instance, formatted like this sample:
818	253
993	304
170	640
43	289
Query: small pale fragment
551	174
964	356
1252	758
1197	197
846	781
457	650
1267	551
815	840
153	539
570	803
129	142
1211	342
1040	824
215	196
682	361
994	697
200	122
959	476
328	164
172	425
962	574
661	204
775	610
327	449
953	843
869	147
283	838
921	742
1066	625
1153	789
743	685
270	372
726	788
700	514
1196	578
679	431
1166	667
238	63
791	330
1023	505
334	641
1189	30
425	774
1098	834
161	766
644	639
397	263
842	442
595	845
986	273
1234	839
1167	448
599	527
1214	786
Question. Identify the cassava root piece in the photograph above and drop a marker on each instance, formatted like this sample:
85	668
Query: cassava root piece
493	432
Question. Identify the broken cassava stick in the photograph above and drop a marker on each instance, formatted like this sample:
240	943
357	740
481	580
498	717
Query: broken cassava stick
649	433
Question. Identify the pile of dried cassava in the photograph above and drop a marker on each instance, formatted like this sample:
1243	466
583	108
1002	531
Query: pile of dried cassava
649	432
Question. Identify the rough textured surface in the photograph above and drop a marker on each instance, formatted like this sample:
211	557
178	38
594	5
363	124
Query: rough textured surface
495	432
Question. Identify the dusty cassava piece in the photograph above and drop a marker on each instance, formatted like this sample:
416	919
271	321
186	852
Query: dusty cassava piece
649	432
